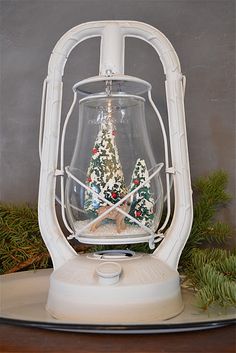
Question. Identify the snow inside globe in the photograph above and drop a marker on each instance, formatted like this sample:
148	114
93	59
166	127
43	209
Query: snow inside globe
113	192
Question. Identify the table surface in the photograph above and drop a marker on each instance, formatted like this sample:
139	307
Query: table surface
19	339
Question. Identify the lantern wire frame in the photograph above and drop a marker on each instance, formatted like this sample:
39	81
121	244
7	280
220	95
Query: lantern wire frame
153	237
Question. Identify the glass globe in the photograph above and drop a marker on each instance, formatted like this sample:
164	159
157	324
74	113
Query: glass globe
113	164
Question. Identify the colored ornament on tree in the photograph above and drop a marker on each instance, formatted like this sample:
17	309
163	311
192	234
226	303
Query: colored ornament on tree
143	202
105	175
138	214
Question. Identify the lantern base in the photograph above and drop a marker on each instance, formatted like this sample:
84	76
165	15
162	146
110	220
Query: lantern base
114	289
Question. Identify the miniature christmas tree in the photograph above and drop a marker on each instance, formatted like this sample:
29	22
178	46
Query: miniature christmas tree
143	202
105	175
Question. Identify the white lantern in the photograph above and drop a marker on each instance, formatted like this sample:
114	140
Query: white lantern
111	192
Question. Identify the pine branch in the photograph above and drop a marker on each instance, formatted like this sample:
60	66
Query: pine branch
214	288
228	266
21	244
209	195
219	232
211	271
36	260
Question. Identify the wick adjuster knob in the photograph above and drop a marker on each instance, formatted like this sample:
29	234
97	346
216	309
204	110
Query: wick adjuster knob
108	273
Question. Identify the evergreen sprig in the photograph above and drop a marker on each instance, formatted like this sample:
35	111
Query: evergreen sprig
211	271
214	288
209	195
21	245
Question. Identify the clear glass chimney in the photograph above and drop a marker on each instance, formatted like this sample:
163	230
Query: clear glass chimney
113	164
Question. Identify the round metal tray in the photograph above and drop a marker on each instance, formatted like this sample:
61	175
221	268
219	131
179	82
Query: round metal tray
24	295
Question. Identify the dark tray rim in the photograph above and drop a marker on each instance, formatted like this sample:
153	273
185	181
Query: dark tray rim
117	329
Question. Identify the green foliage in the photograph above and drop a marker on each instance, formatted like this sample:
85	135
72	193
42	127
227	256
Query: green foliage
21	245
209	195
210	270
214	287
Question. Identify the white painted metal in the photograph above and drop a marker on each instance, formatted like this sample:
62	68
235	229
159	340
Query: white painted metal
115	95
130	85
177	234
148	286
112	50
108	273
146	291
42	118
58	247
63	135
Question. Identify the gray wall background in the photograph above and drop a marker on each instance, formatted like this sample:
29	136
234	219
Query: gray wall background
203	34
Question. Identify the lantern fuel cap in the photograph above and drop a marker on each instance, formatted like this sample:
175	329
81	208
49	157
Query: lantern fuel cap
108	273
